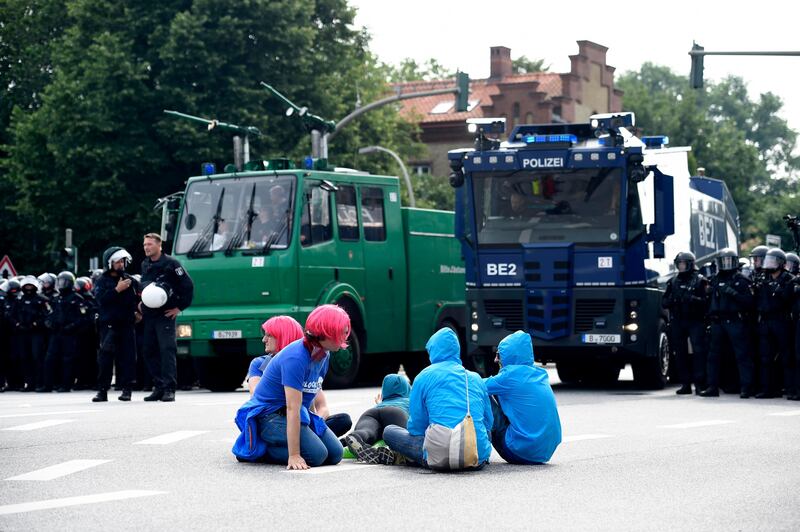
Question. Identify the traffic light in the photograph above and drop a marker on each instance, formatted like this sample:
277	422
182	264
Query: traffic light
696	76
462	96
70	258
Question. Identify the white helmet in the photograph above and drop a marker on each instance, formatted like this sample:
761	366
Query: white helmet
30	280
154	296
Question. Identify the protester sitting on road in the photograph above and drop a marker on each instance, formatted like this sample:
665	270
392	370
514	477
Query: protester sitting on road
391	409
279	332
276	423
439	400
526	427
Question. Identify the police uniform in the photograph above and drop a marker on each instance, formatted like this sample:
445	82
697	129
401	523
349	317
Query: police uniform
116	324
731	296
87	348
68	316
774	296
686	299
28	313
160	345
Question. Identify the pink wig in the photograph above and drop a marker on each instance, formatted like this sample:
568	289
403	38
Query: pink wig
328	322
284	329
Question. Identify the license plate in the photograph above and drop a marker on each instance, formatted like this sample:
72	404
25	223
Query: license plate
602	339
226	335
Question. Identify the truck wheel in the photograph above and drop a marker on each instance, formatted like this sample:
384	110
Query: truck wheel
414	362
221	374
651	373
344	363
569	372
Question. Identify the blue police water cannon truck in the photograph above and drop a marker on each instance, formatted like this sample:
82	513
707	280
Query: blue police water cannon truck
569	232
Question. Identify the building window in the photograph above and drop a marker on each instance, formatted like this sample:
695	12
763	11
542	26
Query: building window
529	118
421	169
515	112
557	114
442	107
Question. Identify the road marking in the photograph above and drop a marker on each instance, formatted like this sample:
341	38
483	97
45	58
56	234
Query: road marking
323	470
41	424
171	437
695	424
787	413
7	416
59	470
75	501
582	437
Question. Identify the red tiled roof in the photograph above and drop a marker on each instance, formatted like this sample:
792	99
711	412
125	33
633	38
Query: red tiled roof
481	90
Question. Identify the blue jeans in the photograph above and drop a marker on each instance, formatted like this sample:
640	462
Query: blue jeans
499	429
315	450
400	441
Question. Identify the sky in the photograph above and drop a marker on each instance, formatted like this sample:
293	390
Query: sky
459	34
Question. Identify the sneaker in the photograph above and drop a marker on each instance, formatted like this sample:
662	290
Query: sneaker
378	455
155	396
356	444
101	397
125	395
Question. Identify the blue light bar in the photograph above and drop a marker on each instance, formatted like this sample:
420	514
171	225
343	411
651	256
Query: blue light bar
208	169
656	141
550	139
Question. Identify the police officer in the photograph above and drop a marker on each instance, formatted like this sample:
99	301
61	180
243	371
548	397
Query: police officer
28	313
792	263
68	316
686	299
7	294
47	282
160	345
117	295
774	294
756	256
731	295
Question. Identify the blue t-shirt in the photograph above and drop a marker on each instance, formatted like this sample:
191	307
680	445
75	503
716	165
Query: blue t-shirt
258	365
294	368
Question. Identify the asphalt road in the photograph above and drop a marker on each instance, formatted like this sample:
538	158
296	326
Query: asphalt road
630	460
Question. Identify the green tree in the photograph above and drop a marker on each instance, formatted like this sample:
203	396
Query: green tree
97	150
523	65
410	70
745	143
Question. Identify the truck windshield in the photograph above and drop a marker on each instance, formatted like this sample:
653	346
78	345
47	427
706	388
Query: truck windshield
580	206
228	214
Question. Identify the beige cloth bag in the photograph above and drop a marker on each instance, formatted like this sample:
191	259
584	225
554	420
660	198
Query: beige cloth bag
452	449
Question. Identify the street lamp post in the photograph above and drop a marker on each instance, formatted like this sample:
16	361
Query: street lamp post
372	149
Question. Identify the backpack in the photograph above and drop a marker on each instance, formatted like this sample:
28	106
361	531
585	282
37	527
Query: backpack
452	449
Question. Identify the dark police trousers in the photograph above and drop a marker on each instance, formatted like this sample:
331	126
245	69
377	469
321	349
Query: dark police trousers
28	352
116	342
736	332
775	337
63	350
691	368
161	350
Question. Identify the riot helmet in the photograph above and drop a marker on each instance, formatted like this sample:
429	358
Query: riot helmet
65	282
48	281
728	260
156	295
83	285
12	287
684	261
757	257
96	274
774	260
114	254
29	285
792	263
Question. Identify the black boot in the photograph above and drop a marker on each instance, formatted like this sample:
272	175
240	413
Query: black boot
168	396
155	396
686	389
125	396
763	395
710	392
101	397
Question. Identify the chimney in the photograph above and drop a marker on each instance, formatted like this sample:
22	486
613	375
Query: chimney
500	62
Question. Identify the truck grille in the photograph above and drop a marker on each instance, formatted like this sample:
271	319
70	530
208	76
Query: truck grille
587	310
508	309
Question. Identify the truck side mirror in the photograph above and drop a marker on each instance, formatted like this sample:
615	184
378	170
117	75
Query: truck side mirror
664	211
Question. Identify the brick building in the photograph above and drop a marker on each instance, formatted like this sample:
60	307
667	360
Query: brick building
534	98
